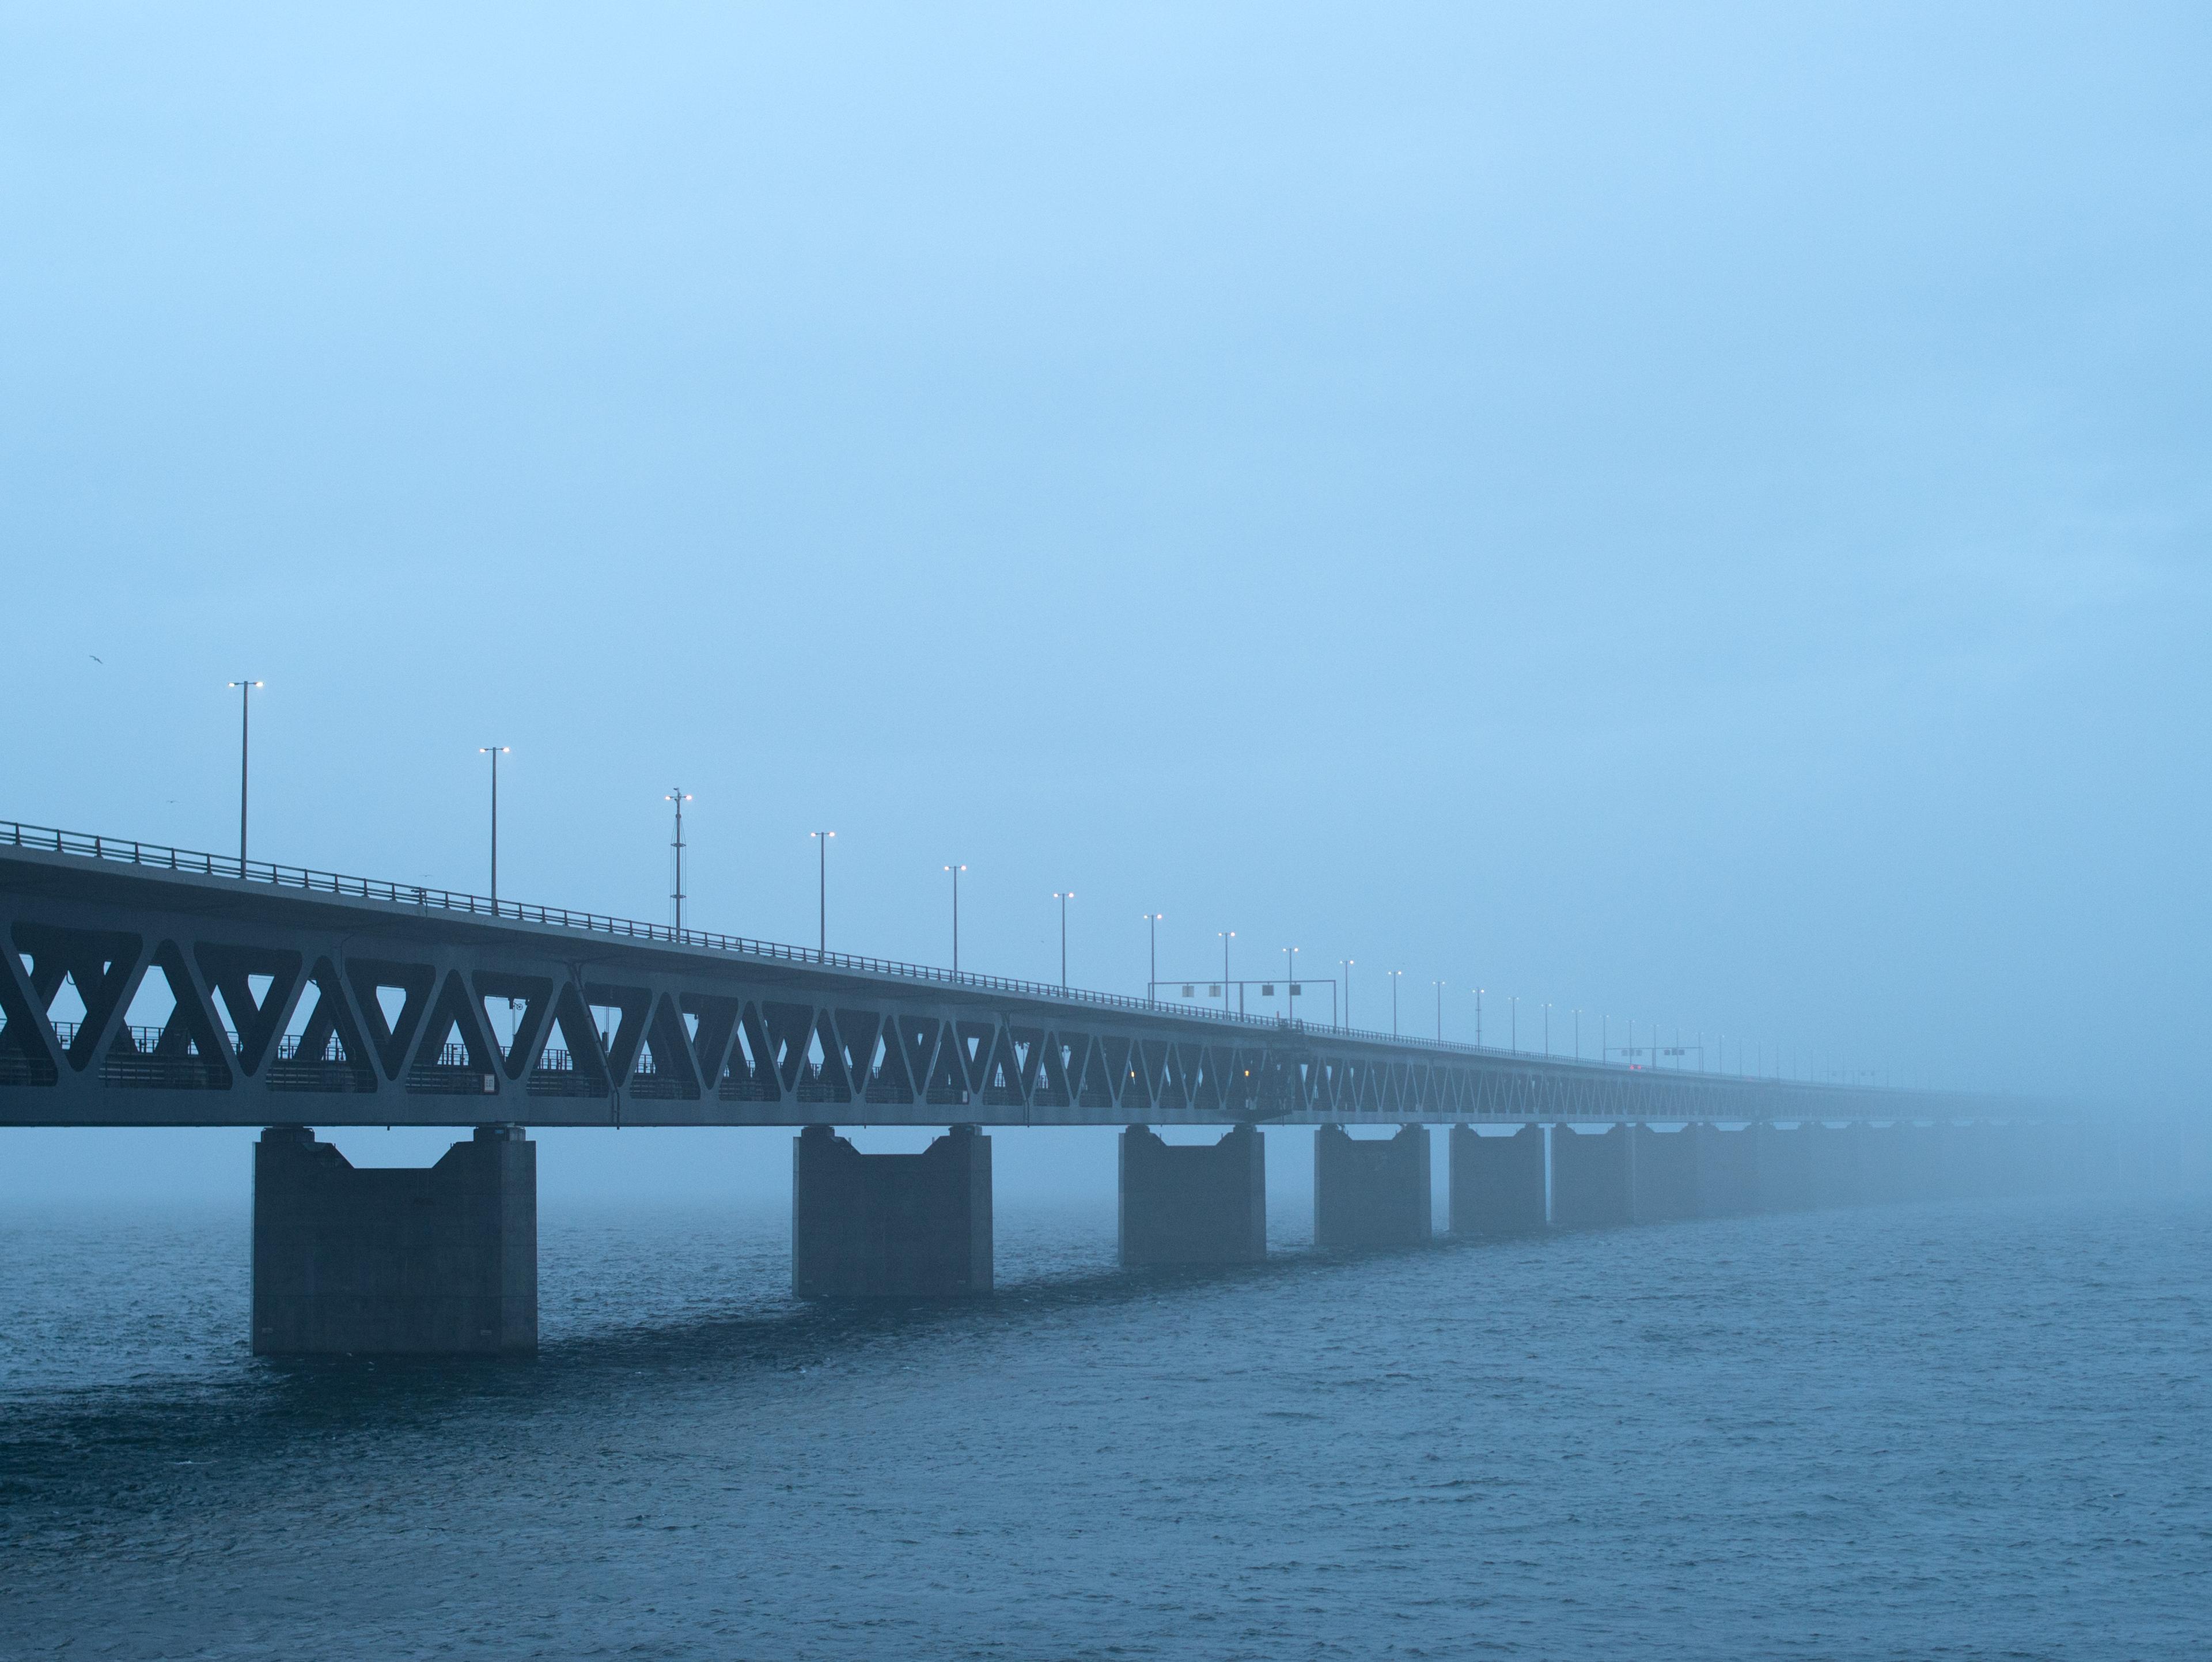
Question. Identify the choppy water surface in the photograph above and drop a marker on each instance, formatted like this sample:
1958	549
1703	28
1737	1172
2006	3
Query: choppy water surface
1966	1431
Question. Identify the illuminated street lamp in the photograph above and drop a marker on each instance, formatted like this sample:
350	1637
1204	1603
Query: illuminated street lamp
679	797
823	839
495	751
956	871
246	690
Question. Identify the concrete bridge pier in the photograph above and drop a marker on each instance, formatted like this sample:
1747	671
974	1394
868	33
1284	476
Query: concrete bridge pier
1371	1191
1728	1171
1207	1204
1912	1161
890	1225
1785	1167
1497	1182
1593	1177
420	1261
1837	1179
1885	1164
1665	1172
1917	1162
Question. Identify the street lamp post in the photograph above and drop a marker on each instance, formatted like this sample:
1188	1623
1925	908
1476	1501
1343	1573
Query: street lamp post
245	689
1547	1029
1397	975
1063	897
821	838
676	794
956	871
1478	1018
1513	1021
495	751
1290	983
1439	986
1344	964
1578	1036
1151	986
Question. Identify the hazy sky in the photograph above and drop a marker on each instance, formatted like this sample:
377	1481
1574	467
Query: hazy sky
1693	513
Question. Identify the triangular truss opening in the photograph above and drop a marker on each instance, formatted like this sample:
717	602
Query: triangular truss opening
917	1045
515	1009
182	1052
888	1079
749	1075
1107	1076
947	1081
456	1056
1054	1058
824	1077
98	965
790	1033
569	1062
1177	1063
391	999
668	1041
711	1021
254	987
24	1059
323	1049
619	1016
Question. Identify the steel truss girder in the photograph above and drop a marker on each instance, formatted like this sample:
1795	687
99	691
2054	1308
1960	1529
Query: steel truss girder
387	1014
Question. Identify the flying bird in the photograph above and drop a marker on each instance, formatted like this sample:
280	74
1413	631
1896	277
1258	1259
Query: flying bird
97	658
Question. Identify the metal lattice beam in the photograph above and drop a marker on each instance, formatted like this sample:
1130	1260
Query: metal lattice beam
296	997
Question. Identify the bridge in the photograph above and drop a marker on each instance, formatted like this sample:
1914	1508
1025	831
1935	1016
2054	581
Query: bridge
151	985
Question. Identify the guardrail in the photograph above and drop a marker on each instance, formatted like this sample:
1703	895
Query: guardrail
162	857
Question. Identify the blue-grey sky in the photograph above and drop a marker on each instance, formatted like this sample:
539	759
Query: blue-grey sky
1693	513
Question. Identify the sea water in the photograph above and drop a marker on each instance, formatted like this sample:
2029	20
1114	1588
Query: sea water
1977	1429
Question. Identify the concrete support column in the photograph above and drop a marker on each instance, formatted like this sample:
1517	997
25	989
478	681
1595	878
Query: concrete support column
1785	1167
1891	1159
1727	1172
1837	1177
1593	1177
441	1261
890	1225
1664	1168
1207	1204
1371	1192
1914	1161
1497	1182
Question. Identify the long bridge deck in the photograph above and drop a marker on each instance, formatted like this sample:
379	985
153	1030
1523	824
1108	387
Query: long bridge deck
146	984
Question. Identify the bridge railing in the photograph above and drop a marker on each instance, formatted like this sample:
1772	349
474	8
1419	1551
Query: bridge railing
162	857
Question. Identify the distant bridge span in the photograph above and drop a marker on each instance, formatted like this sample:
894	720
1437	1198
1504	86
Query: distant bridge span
277	995
147	986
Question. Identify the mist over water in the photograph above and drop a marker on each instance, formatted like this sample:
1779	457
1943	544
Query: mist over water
1611	528
1970	1429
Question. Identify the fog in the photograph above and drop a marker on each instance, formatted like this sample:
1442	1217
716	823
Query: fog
1692	516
